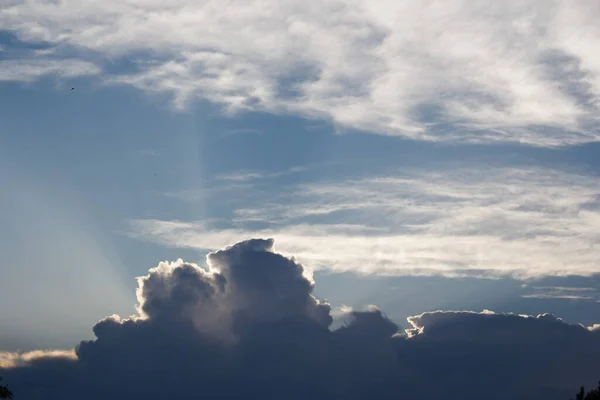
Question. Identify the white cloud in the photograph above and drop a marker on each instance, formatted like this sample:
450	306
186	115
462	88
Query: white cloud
485	222
242	176
28	70
341	311
13	359
525	71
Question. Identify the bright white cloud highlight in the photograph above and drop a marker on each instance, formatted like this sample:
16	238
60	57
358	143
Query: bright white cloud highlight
524	71
14	359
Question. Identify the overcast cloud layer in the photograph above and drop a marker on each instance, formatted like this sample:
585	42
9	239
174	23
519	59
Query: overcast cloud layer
247	326
517	71
492	222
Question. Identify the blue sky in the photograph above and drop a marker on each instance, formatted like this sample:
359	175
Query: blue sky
446	164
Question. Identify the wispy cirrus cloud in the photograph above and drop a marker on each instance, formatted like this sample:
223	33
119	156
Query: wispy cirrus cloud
491	222
29	70
242	176
517	71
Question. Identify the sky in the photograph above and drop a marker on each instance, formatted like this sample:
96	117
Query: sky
424	163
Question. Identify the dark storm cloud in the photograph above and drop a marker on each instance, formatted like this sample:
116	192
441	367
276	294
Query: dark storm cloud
515	356
248	326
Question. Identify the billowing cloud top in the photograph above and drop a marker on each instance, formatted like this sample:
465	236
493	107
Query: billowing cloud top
245	284
247	326
517	71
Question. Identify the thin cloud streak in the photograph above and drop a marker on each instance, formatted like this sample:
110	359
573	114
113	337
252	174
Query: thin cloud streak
523	223
556	296
15	359
29	70
243	176
561	292
522	71
319	247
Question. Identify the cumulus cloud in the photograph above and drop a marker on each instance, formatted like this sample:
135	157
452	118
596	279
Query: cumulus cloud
244	285
517	71
493	222
504	348
448	325
283	347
